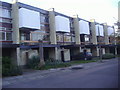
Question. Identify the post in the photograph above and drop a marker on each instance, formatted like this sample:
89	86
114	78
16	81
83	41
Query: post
100	49
52	27
106	38
76	29
62	54
42	63
95	51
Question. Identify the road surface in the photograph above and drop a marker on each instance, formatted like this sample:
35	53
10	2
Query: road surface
103	75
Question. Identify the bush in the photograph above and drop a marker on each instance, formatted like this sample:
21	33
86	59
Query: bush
8	69
33	62
108	56
52	61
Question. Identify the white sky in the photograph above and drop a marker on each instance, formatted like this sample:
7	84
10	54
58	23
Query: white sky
100	10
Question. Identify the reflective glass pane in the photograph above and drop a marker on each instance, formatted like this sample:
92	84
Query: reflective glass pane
8	36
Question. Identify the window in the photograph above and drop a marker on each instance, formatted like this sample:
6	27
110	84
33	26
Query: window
8	36
3	36
64	38
86	38
44	18
42	35
5	13
59	37
24	36
5	20
2	28
73	38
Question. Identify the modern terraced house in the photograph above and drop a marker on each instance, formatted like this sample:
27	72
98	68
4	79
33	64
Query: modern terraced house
26	31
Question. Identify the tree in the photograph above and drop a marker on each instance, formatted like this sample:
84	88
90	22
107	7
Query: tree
117	34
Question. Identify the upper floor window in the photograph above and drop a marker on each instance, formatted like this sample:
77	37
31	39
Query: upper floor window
39	35
5	13
99	30
6	36
44	22
5	20
44	18
5	29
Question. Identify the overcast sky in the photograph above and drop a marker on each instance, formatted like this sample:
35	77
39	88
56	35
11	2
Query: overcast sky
100	10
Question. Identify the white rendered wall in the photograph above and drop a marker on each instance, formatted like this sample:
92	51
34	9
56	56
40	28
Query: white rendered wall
110	31
29	18
67	55
62	23
84	27
100	29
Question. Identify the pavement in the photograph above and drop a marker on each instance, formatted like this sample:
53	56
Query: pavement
37	74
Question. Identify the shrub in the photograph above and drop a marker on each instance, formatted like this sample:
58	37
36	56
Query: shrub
8	69
52	61
33	62
108	56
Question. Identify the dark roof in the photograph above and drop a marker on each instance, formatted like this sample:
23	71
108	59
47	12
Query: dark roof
5	4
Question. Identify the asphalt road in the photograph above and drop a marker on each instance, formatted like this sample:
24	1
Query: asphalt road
104	75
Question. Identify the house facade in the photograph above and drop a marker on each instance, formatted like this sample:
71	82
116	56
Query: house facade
26	29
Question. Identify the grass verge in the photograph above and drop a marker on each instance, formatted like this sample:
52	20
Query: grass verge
65	64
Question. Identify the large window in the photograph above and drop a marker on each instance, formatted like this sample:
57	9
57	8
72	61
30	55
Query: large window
43	33
64	38
39	35
5	20
6	13
25	36
6	36
85	39
44	18
110	31
99	30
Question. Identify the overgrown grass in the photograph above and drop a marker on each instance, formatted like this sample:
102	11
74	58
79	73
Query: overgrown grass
52	63
55	66
65	64
108	56
81	61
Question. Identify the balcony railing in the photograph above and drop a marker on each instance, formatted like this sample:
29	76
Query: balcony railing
29	42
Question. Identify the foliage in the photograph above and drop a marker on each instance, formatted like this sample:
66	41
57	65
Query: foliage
108	56
8	69
50	63
117	35
81	61
53	63
33	62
